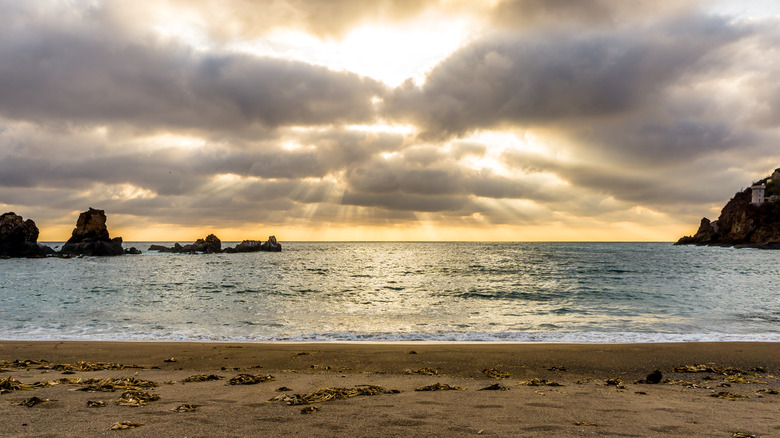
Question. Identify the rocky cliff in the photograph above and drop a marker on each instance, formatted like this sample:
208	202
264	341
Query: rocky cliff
740	224
19	237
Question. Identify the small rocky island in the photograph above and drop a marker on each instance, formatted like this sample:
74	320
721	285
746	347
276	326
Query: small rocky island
212	245
90	237
19	238
751	219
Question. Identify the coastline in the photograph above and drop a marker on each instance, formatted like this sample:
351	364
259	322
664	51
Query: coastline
585	404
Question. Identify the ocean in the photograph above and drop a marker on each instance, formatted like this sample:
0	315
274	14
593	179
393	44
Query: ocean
400	291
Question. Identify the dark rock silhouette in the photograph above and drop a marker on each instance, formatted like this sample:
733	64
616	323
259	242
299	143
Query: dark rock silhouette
742	223
255	245
91	238
211	245
654	377
272	245
19	237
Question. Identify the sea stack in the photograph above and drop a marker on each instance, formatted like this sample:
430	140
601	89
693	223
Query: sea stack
19	237
750	219
91	238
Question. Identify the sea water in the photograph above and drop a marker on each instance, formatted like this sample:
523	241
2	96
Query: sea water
553	292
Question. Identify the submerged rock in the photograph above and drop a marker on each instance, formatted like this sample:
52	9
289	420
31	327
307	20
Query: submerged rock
19	237
91	238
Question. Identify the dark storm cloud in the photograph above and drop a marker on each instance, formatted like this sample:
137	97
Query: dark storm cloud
82	71
558	77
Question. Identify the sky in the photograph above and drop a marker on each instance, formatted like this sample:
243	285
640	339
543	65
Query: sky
519	120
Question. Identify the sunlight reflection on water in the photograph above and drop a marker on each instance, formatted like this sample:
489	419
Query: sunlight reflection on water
602	292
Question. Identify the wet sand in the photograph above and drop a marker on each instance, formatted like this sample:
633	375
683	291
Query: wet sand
590	401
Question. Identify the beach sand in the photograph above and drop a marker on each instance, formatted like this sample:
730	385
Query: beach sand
587	403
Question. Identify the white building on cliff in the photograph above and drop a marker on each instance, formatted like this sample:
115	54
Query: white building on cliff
759	190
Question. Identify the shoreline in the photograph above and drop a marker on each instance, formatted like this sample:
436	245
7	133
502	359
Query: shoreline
585	403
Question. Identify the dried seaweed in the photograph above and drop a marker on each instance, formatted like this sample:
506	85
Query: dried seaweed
136	398
585	423
27	363
11	384
539	382
249	379
737	378
310	409
124	425
65	367
87	366
186	408
328	394
32	401
423	371
685	383
111	385
557	368
728	395
96	404
768	391
701	368
494	373
439	387
494	387
202	378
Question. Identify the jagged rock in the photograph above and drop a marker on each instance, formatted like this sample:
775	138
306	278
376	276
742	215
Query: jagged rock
741	223
255	245
210	245
271	245
91	238
248	246
19	237
132	250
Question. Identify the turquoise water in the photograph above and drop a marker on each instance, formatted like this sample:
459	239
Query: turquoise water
581	292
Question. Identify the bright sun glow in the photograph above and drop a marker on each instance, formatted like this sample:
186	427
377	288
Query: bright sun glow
391	53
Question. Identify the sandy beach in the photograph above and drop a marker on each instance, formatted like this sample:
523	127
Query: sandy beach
373	389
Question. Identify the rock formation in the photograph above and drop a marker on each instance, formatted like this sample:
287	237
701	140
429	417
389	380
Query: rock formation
211	244
255	245
741	223
90	237
19	237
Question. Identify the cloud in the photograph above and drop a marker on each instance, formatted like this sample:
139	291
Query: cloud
563	113
533	14
82	71
517	79
248	19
